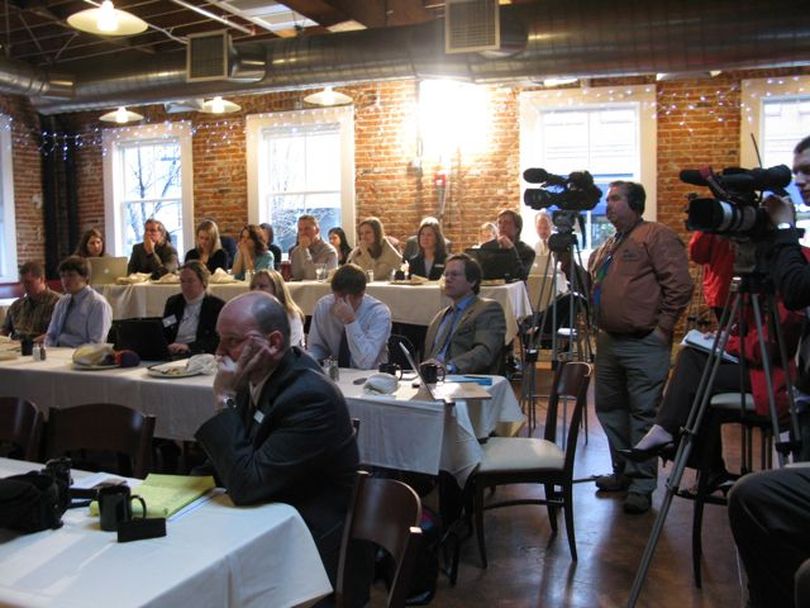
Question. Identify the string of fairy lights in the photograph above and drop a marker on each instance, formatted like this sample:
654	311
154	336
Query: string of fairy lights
687	105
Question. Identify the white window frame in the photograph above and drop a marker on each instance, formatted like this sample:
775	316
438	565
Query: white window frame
754	92
641	97
256	123
9	270
113	178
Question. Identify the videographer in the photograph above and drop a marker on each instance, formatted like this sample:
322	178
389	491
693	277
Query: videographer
769	511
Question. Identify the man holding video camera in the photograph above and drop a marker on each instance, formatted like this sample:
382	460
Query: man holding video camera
769	511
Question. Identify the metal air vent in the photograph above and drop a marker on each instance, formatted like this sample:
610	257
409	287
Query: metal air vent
207	56
471	26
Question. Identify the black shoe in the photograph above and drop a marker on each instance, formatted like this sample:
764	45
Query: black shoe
617	482
636	503
664	450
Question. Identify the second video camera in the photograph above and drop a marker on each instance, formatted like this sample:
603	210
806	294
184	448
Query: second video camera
575	192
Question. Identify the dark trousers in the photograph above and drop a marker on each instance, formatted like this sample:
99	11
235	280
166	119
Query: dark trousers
769	513
680	395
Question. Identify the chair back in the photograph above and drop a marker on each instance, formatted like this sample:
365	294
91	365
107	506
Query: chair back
571	380
395	354
106	427
387	513
21	424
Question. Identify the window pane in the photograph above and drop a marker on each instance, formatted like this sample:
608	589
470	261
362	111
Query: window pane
285	211
286	171
323	162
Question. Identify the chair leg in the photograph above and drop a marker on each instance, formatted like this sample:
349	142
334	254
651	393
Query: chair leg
552	509
478	509
568	511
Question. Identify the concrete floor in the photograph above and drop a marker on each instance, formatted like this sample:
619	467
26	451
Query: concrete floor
528	567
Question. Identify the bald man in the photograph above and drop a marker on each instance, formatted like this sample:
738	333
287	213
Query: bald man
282	431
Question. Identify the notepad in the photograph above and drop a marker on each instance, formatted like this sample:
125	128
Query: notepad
481	380
697	339
165	495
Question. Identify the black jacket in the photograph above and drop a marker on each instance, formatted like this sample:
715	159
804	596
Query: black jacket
296	446
417	266
206	340
219	259
524	255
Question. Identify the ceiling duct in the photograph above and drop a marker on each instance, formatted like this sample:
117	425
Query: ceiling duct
212	56
580	39
471	26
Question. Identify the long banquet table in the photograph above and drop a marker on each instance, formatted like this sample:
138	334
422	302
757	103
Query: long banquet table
413	304
402	431
216	555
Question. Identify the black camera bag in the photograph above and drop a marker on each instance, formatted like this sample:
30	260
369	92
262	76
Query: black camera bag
31	502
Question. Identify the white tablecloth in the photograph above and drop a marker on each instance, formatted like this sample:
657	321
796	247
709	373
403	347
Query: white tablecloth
395	432
402	432
217	555
415	304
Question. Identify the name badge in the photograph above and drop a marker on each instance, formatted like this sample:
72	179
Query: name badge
169	321
258	417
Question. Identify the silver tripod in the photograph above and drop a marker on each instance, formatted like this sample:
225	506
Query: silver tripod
752	284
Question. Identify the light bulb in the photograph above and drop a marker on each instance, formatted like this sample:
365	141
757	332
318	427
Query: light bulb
107	19
217	105
121	115
328	96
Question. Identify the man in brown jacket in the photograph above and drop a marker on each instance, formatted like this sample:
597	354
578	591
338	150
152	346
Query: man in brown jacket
641	285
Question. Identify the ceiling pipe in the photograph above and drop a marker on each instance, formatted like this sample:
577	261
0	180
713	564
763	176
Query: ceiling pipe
584	39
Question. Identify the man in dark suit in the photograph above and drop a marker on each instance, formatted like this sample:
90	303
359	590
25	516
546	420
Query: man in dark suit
190	317
155	254
510	225
468	336
282	431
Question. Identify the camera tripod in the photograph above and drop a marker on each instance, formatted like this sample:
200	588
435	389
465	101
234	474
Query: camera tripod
752	284
579	341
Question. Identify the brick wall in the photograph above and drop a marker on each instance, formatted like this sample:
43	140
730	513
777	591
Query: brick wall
698	123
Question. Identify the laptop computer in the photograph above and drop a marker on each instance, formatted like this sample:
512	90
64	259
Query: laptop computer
415	367
145	337
496	263
104	271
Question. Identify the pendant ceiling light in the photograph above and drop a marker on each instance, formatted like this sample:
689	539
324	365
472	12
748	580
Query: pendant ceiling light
121	116
217	105
328	97
106	20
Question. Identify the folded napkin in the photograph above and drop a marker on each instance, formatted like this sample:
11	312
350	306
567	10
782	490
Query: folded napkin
92	354
169	278
135	277
381	384
202	364
220	276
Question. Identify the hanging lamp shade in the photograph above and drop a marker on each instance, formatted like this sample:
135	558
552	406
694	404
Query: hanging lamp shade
328	97
121	116
217	105
106	20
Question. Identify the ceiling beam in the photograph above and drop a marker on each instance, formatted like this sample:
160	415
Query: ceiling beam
320	11
384	13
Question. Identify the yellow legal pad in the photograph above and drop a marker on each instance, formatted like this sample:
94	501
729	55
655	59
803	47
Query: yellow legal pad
165	495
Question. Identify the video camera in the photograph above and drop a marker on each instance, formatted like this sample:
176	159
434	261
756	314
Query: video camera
736	209
576	192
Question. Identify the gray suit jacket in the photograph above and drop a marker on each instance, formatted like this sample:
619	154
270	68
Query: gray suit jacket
477	342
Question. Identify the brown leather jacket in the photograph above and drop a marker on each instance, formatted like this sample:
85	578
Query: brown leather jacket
647	284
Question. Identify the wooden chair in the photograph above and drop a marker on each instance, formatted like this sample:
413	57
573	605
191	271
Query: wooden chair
509	460
21	425
387	513
106	427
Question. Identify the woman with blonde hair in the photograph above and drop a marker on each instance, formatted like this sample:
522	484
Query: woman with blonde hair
273	283
375	252
209	249
91	245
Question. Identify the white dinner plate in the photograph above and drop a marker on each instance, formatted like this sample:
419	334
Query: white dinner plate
165	370
93	368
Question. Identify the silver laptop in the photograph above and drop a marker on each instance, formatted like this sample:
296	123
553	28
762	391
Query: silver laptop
415	367
104	271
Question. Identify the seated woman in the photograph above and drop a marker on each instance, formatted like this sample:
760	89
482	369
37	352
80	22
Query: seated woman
155	255
190	317
487	231
337	237
269	237
91	245
209	249
273	283
429	262
685	378
375	252
253	254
